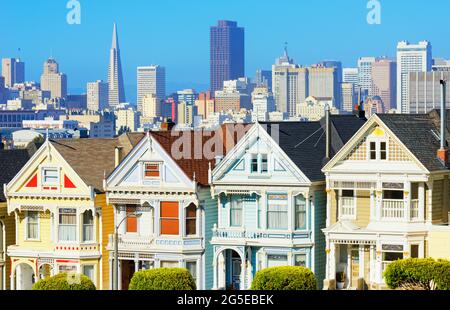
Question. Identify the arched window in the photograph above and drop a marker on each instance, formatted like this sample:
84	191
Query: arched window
191	220
88	226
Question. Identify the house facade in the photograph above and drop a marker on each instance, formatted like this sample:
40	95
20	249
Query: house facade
163	206
60	211
388	198
271	201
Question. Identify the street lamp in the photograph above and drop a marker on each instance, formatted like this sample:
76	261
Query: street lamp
116	249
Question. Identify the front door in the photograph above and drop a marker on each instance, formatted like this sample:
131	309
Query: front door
236	272
128	269
354	268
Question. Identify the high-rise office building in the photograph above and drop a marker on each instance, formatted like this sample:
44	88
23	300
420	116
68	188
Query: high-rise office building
410	58
115	77
334	64
365	75
441	64
97	96
126	120
187	95
424	91
52	80
227	53
263	103
205	104
234	96
151	80
348	97
350	75
13	70
384	82
263	78
151	106
323	83
289	84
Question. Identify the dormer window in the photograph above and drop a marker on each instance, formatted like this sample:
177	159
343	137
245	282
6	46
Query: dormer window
378	150
50	176
152	170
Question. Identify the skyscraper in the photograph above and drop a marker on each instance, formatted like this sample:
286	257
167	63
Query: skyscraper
365	74
324	83
424	91
264	78
334	64
151	80
410	58
13	70
384	85
348	97
350	75
115	77
52	80
227	53
289	84
97	96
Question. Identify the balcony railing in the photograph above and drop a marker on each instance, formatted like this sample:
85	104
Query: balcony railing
224	233
393	209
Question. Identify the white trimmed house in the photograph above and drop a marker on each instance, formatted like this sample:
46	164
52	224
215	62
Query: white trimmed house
387	190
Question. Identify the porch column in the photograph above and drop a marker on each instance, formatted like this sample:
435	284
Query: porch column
349	265
110	271
429	215
332	261
12	280
156	220
120	275
379	201
221	271
372	263
361	261
407	201
422	201
379	264
250	267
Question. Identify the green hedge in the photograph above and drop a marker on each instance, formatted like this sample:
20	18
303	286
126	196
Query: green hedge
419	271
285	278
174	279
65	282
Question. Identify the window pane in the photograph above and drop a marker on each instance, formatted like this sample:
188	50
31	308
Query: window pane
395	195
88	226
276	260
131	220
383	152
277	211
348	193
169	264
192	267
152	170
191	220
414	251
236	212
50	176
32	224
254	165
300	260
169	227
67	225
169	218
300	213
264	164
88	270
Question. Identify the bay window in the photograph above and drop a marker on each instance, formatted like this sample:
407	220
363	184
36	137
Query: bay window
277	261
277	212
32	225
88	226
236	212
131	220
300	213
169	218
191	220
67	225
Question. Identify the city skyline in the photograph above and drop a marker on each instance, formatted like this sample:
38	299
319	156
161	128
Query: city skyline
189	67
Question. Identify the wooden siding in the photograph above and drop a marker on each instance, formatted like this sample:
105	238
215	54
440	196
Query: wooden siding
439	244
107	229
211	217
363	208
333	211
438	191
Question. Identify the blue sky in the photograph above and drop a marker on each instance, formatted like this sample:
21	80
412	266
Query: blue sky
175	34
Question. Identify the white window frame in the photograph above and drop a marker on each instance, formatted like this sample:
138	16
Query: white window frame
355	204
94	280
144	166
267	212
58	171
82	227
232	202
76	227
38	227
377	142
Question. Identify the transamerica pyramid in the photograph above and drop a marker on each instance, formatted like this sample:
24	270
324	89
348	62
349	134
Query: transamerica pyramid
115	77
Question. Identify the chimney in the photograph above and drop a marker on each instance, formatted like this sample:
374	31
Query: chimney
117	156
442	153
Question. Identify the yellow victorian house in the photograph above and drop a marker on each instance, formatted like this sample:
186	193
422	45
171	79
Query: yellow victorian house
62	219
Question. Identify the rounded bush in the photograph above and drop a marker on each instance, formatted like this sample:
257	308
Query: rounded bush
423	272
285	278
173	279
65	282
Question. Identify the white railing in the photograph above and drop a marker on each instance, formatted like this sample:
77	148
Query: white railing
393	209
348	208
224	233
414	209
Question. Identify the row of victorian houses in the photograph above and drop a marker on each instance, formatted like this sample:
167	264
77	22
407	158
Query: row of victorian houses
343	196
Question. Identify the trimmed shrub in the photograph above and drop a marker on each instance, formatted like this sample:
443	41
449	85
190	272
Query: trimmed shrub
285	278
166	279
65	282
420	272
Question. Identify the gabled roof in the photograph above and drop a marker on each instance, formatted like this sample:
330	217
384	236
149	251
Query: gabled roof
92	159
199	166
419	133
11	162
304	142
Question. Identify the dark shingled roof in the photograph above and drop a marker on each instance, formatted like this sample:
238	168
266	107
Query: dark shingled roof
304	142
416	133
11	162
